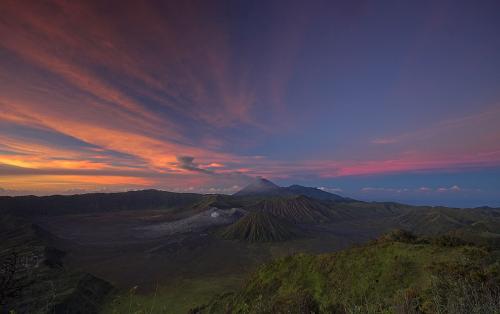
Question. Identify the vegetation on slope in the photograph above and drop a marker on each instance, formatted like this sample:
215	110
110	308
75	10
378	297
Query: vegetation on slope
260	227
361	210
399	273
178	296
438	220
316	193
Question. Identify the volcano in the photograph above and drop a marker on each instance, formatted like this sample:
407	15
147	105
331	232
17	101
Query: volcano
260	226
263	187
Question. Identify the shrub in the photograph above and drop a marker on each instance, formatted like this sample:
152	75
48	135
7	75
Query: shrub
399	235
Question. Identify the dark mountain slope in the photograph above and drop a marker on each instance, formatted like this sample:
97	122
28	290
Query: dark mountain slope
401	274
315	193
361	210
216	200
260	227
264	187
33	278
208	202
96	202
299	209
438	220
477	225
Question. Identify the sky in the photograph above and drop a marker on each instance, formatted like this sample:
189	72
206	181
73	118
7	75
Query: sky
376	100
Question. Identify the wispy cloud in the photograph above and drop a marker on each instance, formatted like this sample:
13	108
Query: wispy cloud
458	134
330	189
422	190
130	81
381	189
156	94
454	188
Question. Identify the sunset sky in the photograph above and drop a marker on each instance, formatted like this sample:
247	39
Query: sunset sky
376	100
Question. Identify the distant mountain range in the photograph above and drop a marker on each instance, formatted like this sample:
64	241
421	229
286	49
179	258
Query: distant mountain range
236	227
297	209
154	199
264	187
261	187
273	212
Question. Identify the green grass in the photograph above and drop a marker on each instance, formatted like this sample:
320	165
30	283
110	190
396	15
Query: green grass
176	297
376	278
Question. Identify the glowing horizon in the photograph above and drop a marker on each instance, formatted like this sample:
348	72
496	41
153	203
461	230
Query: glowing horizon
197	96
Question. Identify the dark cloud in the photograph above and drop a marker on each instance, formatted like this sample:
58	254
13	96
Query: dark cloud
187	163
224	178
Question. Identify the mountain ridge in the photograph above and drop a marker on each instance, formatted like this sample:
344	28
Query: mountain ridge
297	209
263	187
397	271
315	193
260	226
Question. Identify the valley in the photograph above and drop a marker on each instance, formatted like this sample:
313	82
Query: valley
249	157
181	251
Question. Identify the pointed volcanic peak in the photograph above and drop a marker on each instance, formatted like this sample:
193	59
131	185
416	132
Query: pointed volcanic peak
315	193
263	187
260	227
297	209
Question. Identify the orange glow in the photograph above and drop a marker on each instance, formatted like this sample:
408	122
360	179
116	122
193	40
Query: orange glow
92	95
53	183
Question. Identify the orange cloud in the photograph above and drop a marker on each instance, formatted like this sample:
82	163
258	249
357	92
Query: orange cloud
138	87
68	46
72	39
56	184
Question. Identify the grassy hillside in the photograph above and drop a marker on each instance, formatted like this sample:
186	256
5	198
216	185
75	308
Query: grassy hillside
176	297
439	220
399	273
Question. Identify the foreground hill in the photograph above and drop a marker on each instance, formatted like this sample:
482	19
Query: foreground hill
34	279
399	273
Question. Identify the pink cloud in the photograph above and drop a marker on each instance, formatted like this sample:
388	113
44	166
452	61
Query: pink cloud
384	141
454	188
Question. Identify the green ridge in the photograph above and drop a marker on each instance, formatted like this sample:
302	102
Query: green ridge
399	273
